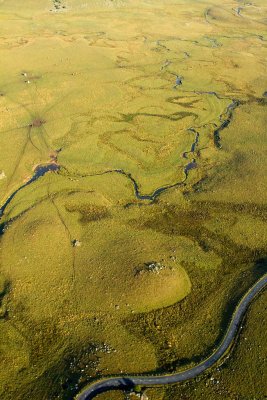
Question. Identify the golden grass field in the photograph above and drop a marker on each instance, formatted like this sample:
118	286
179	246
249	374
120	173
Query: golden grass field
93	86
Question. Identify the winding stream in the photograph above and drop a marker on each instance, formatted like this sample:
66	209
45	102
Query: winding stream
225	119
126	382
39	171
225	122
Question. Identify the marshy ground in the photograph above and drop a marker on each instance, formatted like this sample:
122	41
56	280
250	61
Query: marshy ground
153	115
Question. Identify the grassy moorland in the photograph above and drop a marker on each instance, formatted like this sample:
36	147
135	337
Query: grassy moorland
128	97
241	376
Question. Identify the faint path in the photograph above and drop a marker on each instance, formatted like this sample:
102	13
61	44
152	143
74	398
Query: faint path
126	382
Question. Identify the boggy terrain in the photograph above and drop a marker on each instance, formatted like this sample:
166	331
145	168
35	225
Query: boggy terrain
133	192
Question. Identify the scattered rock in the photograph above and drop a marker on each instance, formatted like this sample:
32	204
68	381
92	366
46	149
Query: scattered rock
153	266
58	5
178	81
76	243
2	175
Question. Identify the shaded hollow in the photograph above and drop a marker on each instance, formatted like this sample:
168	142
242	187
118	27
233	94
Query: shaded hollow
36	123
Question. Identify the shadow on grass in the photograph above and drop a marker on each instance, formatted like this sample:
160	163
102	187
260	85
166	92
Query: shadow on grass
236	293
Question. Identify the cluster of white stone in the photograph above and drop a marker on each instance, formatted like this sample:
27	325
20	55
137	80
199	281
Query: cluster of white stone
2	175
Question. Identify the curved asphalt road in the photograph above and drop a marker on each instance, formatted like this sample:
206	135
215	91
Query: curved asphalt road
124	382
